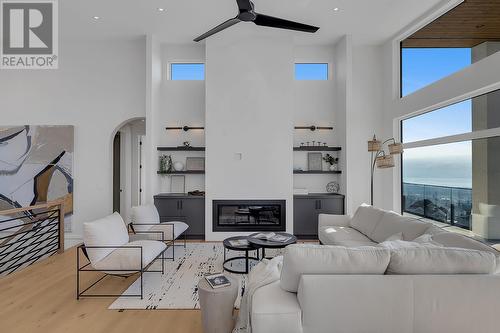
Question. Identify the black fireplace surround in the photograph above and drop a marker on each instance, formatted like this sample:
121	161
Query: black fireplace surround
249	215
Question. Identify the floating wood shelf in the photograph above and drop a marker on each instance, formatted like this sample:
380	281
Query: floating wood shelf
181	148
186	172
316	148
316	172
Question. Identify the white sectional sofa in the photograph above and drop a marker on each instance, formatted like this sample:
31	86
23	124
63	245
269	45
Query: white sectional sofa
422	280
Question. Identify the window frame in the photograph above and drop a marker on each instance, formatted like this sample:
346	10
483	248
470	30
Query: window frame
455	138
328	70
184	62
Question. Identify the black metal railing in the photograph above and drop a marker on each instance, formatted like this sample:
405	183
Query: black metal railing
30	234
451	205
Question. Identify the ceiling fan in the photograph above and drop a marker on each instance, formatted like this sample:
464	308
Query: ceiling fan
247	14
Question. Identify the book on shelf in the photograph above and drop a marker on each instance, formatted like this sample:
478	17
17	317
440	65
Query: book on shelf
239	242
217	280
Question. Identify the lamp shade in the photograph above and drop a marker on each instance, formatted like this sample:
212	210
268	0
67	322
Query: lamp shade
395	148
374	144
384	162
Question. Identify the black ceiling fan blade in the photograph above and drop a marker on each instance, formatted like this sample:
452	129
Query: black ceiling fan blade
275	22
244	5
218	28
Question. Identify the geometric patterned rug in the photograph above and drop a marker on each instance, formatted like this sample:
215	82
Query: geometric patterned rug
177	288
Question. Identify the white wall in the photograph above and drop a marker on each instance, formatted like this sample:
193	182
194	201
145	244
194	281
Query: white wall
314	104
181	103
249	107
97	87
363	119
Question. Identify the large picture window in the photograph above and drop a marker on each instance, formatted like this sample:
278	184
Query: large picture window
451	166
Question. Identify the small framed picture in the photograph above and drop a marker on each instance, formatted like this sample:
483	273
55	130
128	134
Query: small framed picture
177	184
195	163
315	161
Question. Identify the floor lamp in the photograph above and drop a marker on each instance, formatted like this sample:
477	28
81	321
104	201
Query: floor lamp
380	158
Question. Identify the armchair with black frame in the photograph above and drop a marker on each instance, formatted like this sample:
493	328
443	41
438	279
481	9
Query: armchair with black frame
146	218
107	250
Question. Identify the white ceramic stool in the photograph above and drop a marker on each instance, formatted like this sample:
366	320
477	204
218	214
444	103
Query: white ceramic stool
217	306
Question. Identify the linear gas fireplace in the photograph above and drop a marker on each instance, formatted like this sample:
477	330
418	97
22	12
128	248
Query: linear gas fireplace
249	215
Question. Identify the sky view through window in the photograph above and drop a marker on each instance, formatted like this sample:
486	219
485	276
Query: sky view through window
448	164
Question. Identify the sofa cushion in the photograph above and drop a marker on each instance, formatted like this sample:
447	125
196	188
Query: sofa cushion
344	236
275	310
108	231
451	239
392	223
146	214
324	259
179	228
366	219
440	260
129	258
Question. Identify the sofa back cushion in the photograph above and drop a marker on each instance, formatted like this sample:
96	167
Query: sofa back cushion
108	231
146	215
366	219
451	239
392	223
302	259
440	260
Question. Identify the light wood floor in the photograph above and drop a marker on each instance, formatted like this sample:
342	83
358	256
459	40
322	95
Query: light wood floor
41	298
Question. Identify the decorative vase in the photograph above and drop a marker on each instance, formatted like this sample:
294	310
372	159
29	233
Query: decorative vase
178	166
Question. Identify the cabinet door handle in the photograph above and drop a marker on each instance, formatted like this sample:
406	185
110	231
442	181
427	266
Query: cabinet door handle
181	204
319	204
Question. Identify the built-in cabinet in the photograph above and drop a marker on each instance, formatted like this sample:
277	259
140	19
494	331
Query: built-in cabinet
186	208
306	209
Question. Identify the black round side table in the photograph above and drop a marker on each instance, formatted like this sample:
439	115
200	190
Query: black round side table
242	248
265	244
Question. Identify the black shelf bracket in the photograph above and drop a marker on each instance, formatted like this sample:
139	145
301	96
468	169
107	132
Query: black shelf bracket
313	128
185	128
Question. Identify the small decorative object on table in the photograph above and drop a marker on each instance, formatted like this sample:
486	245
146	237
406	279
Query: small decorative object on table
314	161
186	144
217	280
332	187
333	161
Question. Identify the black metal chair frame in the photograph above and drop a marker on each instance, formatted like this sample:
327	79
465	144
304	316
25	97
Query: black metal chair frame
168	242
141	270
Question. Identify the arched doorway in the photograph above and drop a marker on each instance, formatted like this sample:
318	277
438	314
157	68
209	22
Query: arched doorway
128	161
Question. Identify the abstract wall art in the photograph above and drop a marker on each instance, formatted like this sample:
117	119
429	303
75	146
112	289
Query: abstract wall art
36	166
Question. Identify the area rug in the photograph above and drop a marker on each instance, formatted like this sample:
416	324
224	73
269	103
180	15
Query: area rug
177	288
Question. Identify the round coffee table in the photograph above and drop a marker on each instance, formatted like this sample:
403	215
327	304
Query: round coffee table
265	244
242	248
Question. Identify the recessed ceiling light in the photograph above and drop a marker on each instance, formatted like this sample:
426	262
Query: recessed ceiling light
160	9
336	9
96	17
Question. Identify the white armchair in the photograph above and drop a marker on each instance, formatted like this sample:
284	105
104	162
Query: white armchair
146	218
108	249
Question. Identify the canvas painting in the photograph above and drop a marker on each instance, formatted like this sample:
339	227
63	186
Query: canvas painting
36	166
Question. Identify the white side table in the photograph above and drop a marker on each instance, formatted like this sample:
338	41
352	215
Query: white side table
217	306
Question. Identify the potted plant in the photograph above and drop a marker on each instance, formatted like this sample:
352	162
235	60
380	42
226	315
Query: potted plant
333	161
